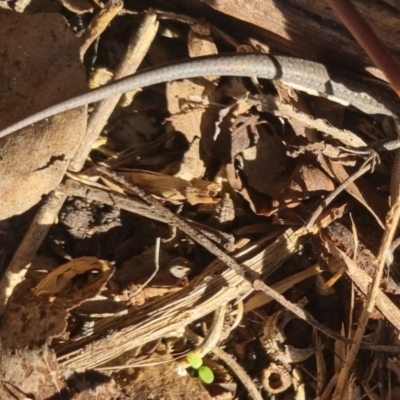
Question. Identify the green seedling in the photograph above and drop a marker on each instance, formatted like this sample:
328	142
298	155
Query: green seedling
196	362
206	374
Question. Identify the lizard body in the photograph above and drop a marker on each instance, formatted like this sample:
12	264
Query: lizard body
301	74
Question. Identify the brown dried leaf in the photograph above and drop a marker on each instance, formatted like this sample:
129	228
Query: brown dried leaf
243	134
39	61
199	120
99	23
202	192
288	96
59	278
166	186
32	320
129	274
77	6
151	293
235	88
265	164
259	299
361	190
200	42
99	77
191	99
272	105
173	188
192	166
130	279
305	181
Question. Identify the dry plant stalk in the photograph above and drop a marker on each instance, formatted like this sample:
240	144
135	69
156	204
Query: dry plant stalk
372	45
40	226
136	51
155	320
99	23
204	294
363	282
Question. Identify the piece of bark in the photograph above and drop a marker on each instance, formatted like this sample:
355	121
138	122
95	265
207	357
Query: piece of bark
40	67
309	29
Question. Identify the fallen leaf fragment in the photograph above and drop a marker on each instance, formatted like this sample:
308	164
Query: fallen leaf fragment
175	189
33	320
58	279
77	6
195	120
305	181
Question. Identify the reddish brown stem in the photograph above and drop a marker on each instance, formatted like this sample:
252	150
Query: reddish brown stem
367	39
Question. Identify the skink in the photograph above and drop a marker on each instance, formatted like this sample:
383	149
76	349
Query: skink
305	75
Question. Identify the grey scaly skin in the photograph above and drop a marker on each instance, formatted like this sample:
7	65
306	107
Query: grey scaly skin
301	74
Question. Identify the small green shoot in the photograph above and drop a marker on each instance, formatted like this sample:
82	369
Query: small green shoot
196	362
206	374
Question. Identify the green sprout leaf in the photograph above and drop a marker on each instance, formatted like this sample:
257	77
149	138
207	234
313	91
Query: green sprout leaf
194	360
206	374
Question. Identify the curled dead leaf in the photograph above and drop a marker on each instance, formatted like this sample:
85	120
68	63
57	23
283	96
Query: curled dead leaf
77	6
58	279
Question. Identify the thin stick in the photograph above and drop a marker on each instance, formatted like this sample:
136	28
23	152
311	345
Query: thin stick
156	269
40	226
367	39
364	168
197	236
382	58
135	53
